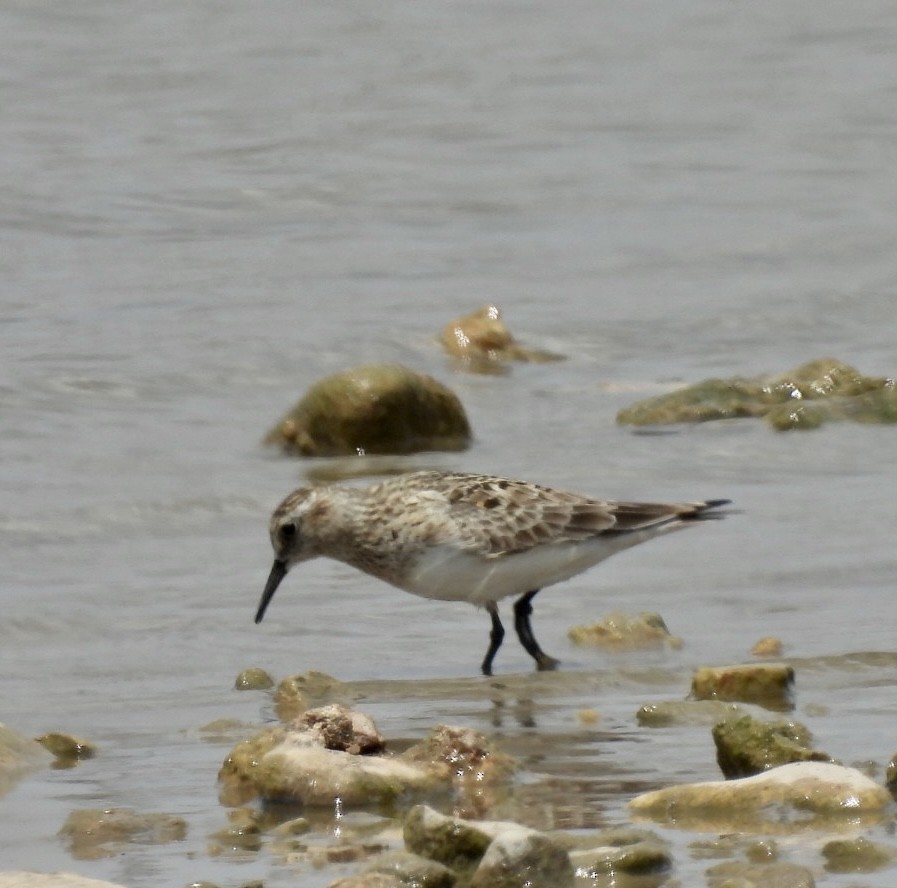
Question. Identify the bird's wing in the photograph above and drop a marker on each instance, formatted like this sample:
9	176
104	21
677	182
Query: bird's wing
497	516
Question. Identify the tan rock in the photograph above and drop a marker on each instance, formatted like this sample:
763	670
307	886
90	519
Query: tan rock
784	799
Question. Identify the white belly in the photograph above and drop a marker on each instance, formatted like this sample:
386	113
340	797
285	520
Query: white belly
449	574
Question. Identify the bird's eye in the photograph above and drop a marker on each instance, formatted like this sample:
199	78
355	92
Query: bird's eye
287	533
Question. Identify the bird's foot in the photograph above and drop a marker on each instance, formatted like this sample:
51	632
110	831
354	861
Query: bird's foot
544	663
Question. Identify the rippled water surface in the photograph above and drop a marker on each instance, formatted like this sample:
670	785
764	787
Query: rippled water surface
206	207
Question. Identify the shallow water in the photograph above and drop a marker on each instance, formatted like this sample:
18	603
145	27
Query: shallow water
206	208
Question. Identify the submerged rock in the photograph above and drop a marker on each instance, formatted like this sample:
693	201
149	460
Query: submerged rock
483	344
686	712
93	834
856	855
253	679
412	870
466	761
519	857
373	409
69	750
451	841
784	799
18	755
501	854
370	880
802	398
770	685
302	691
632	852
243	832
748	746
734	874
626	632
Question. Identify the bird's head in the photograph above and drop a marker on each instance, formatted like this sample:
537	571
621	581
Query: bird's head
290	540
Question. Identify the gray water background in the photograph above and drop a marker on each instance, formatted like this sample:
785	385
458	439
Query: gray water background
206	207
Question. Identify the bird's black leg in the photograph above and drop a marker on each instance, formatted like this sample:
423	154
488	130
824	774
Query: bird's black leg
496	636
522	609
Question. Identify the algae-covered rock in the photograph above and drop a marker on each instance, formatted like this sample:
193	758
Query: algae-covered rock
747	746
253	679
783	799
93	834
686	712
483	344
451	841
412	870
374	409
615	852
856	855
519	857
770	685
802	398
68	749
735	874
506	855
626	632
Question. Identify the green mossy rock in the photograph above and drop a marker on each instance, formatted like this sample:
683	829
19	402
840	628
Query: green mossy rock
803	398
373	409
856	855
451	841
747	746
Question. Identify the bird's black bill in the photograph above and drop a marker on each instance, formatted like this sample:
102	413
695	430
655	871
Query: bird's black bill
278	572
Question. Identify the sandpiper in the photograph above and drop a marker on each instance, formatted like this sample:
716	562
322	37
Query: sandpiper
455	536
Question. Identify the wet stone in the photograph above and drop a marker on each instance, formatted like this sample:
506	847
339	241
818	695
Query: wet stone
770	685
253	679
69	750
412	869
369	880
626	632
686	712
94	834
373	409
243	832
519	857
734	874
451	841
747	746
856	855
803	398
782	800
482	343
630	851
